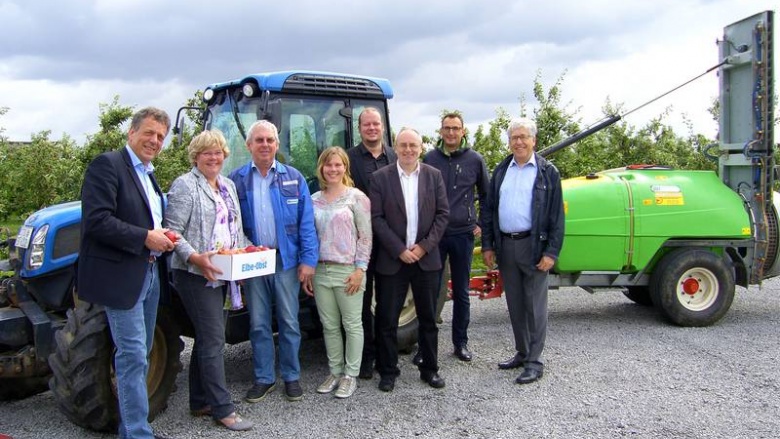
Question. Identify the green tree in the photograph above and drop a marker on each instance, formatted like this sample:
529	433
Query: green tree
111	135
489	141
174	160
39	174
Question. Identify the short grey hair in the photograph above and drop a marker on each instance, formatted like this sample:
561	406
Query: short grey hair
522	122
156	114
264	124
413	131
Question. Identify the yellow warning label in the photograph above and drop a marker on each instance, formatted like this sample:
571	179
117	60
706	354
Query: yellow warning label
746	230
565	207
669	200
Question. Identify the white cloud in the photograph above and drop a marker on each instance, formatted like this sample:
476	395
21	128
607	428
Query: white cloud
70	56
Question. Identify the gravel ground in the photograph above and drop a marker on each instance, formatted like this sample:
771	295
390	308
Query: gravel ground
613	369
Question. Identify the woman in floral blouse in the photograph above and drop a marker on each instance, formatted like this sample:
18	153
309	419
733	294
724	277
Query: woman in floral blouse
203	211
342	216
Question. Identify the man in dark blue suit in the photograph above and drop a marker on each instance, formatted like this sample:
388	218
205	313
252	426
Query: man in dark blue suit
523	228
409	213
121	238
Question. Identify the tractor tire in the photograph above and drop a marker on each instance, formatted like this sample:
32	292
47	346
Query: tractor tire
639	295
20	388
692	287
407	324
82	364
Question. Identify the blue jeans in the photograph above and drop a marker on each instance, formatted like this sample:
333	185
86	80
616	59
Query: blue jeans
133	332
460	249
280	291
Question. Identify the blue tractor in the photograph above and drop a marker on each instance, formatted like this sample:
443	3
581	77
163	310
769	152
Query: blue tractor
48	335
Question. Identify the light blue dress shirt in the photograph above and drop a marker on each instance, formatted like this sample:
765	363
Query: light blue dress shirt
265	224
143	171
516	196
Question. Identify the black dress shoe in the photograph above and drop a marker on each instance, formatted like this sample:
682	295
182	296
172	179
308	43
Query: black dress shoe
417	360
463	353
433	379
387	384
529	376
512	363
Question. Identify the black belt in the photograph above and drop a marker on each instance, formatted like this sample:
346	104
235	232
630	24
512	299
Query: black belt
517	235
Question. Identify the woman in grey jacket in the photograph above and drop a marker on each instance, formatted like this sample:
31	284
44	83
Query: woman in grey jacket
203	211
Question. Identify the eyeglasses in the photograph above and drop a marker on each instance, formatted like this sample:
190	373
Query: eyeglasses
219	153
451	129
521	137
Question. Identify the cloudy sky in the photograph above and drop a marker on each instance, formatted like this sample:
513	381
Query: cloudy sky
59	60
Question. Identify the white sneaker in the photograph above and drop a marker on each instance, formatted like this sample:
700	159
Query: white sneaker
347	386
329	385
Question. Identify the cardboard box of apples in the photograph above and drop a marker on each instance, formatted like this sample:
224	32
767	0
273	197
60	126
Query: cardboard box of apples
243	263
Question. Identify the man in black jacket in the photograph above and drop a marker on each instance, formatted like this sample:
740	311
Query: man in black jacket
465	173
367	157
121	239
524	222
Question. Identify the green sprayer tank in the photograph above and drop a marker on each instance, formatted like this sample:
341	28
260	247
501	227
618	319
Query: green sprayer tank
682	240
617	220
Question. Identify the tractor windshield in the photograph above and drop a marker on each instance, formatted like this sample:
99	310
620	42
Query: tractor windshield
307	125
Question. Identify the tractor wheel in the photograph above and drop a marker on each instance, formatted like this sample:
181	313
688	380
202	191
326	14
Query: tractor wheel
639	295
407	323
84	384
692	287
20	388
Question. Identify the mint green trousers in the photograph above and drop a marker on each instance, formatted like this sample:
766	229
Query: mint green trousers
337	309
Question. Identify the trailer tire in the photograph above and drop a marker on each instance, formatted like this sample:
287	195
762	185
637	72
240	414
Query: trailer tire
82	365
692	287
639	295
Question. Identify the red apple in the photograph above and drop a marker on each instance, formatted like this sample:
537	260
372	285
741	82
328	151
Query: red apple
251	249
172	236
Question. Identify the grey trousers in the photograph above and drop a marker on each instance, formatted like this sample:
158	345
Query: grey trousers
526	298
205	306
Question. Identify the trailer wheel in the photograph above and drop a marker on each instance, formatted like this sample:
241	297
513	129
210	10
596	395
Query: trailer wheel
692	287
83	380
639	295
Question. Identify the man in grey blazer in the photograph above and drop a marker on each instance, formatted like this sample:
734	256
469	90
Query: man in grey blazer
409	213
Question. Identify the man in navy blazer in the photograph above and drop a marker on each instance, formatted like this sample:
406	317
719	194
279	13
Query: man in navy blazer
409	213
121	237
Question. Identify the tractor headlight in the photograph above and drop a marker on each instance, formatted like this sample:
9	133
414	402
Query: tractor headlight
37	249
